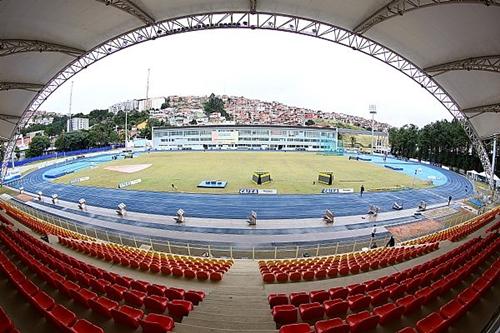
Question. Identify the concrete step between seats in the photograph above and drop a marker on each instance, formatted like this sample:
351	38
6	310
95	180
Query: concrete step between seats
219	322
248	316
186	328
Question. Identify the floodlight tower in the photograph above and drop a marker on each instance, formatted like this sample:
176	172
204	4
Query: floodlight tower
372	108
70	125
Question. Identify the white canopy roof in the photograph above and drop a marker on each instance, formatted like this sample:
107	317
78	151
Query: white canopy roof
457	42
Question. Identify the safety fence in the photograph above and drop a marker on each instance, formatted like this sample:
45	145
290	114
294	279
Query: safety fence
216	250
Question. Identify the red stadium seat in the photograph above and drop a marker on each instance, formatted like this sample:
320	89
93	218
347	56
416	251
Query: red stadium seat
134	297
156	289
338	292
277	299
157	323
103	306
155	303
358	302
284	314
335	325
174	293
433	323
362	321
452	310
388	312
127	315
61	317
83	326
42	301
319	296
83	296
296	328
336	308
195	297
298	298
179	308
311	311
378	296
115	292
410	303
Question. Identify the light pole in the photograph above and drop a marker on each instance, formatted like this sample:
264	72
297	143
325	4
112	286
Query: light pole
493	160
126	130
372	108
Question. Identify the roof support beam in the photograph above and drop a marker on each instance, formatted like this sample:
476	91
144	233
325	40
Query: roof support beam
399	7
486	63
131	8
495	108
12	46
253	6
33	87
12	119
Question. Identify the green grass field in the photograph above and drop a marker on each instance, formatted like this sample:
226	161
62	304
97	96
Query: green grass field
292	172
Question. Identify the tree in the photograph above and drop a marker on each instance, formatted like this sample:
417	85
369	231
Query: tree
215	104
101	135
73	141
152	122
193	122
17	151
39	144
310	122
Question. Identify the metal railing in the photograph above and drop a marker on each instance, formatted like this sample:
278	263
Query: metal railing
194	249
221	251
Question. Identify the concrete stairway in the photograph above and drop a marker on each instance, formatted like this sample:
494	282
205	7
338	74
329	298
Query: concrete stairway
238	305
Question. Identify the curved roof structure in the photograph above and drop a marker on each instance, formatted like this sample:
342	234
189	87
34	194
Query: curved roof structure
451	47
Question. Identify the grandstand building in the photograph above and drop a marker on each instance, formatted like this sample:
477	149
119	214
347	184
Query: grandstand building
245	137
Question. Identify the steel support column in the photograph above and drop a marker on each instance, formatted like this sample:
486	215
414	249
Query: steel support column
263	21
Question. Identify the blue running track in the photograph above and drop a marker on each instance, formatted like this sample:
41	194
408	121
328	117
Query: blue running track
238	206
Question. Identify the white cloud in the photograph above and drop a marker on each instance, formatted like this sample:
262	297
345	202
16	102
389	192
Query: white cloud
296	70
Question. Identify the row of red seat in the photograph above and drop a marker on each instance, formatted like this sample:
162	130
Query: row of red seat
135	293
155	262
58	315
336	302
494	228
37	225
179	266
332	266
459	231
6	325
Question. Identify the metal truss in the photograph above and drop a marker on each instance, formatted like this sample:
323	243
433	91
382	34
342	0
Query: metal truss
12	46
34	87
263	21
486	63
399	7
130	8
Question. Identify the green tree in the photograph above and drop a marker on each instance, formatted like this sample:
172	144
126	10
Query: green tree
39	144
310	122
215	104
73	141
147	131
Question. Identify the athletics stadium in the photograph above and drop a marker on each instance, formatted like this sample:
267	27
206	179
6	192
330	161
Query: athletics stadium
251	228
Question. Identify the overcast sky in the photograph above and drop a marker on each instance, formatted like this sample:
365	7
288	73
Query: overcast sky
266	65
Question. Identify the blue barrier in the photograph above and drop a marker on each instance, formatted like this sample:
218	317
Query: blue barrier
393	168
61	154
